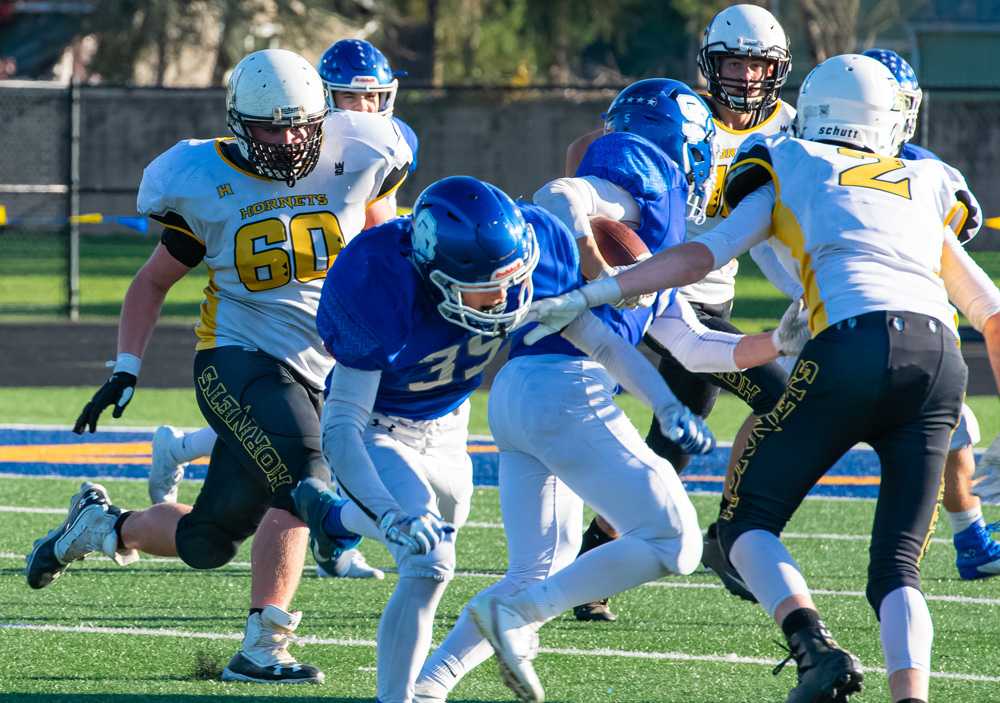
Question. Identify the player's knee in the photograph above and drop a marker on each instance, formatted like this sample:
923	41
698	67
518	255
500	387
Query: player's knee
439	564
728	531
679	546
205	546
882	582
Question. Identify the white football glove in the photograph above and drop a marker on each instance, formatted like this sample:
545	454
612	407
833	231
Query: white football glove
418	534
643	300
553	314
793	330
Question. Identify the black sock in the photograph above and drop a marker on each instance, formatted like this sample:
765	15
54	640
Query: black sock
594	537
799	620
256	610
122	517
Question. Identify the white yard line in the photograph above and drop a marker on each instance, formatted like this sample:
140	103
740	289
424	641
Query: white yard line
370	644
673	583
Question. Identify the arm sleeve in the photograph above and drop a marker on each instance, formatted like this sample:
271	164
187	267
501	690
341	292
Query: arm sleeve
623	361
182	245
968	286
346	413
576	200
698	348
765	258
748	224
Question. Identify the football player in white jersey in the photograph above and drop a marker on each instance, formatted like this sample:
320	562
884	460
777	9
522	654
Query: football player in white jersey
977	554
878	264
357	78
744	58
267	211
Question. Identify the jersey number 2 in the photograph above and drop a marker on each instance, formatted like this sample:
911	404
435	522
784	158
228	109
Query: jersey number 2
261	265
870	175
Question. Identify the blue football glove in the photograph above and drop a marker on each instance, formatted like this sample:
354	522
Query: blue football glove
686	430
418	534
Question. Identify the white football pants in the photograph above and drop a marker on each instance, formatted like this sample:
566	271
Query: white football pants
426	467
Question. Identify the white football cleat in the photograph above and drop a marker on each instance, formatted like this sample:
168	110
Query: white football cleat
165	472
351	564
514	641
428	692
264	656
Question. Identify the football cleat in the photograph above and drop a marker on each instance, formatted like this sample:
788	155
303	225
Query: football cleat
714	558
425	691
264	657
597	611
89	527
977	553
827	673
350	564
514	641
165	472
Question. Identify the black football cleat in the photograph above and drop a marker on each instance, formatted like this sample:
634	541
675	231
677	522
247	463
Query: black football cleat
598	611
264	656
714	559
827	673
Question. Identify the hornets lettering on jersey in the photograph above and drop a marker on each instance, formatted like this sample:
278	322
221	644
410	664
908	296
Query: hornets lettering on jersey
267	255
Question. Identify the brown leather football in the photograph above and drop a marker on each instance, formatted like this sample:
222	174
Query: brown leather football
618	243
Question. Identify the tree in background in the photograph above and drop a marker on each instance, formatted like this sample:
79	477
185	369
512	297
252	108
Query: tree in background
842	26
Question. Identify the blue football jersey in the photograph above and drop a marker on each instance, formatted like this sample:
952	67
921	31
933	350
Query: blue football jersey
558	272
915	152
411	139
650	176
377	313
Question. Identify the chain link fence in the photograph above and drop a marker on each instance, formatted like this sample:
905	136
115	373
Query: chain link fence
69	151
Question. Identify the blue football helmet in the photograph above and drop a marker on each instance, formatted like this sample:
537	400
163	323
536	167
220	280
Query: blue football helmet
356	66
676	119
908	86
470	237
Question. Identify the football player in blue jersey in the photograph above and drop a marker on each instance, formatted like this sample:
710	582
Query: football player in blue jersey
464	269
977	553
357	78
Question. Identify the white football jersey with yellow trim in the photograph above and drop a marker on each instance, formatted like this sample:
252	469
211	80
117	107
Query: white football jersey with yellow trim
268	246
720	285
865	232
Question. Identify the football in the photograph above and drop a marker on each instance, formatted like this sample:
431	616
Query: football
618	243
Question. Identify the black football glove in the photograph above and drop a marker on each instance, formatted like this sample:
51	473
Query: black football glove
117	391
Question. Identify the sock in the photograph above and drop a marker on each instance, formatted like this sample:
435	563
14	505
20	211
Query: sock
906	630
122	517
799	620
912	700
965	519
594	537
617	566
193	445
767	568
333	525
256	610
404	636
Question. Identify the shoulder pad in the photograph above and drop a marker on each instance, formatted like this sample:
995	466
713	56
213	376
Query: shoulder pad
357	137
169	179
751	169
631	162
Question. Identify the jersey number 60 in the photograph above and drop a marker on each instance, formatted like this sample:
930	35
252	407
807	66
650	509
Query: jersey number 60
263	264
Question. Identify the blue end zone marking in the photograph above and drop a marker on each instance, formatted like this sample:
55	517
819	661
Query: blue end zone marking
704	473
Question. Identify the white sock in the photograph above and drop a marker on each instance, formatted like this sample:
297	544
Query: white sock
907	630
600	573
963	520
404	636
462	650
767	568
193	445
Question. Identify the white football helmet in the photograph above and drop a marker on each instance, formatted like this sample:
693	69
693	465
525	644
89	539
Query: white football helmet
745	31
852	99
277	88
